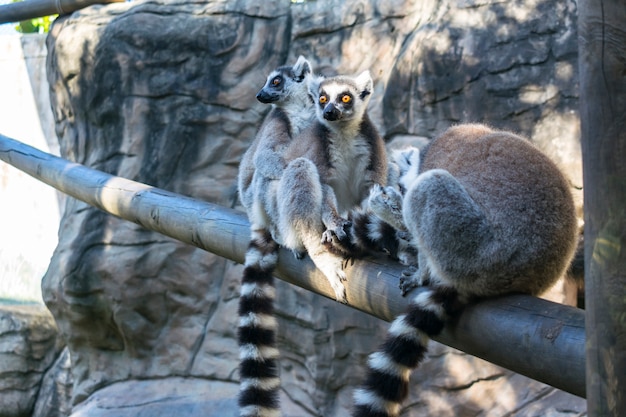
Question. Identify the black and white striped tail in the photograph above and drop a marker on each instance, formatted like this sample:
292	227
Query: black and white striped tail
258	355
367	235
388	369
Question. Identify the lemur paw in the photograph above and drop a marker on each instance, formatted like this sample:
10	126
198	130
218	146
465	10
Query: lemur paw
410	279
407	255
327	237
386	203
298	254
406	258
338	287
338	231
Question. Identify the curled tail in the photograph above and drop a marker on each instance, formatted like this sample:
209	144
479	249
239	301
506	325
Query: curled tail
388	370
258	356
370	235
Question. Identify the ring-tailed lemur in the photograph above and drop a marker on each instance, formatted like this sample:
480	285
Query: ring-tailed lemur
286	88
261	167
489	215
333	164
331	167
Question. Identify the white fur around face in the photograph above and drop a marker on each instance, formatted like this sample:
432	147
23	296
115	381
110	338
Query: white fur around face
335	88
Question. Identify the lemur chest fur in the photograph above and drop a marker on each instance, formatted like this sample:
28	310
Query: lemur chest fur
349	161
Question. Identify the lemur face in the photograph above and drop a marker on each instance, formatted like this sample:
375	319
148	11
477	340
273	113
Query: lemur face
285	82
341	98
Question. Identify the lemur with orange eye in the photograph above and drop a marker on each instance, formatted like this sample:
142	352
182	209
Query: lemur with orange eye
286	88
333	164
329	168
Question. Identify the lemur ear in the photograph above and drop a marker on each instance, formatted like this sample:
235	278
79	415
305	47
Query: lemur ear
313	85
302	68
406	157
364	83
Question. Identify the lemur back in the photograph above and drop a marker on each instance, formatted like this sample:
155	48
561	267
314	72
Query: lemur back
261	167
489	215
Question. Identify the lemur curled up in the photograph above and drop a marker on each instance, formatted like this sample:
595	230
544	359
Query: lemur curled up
489	214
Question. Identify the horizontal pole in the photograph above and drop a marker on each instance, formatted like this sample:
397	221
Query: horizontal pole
30	9
531	336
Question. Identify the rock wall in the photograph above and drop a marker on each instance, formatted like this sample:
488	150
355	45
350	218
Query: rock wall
29	344
162	92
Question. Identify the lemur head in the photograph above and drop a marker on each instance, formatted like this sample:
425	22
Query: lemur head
341	98
286	83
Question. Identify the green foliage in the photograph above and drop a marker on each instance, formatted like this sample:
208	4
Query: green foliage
36	25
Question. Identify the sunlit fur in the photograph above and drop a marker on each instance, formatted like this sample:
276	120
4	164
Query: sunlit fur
333	164
261	167
263	161
377	226
489	214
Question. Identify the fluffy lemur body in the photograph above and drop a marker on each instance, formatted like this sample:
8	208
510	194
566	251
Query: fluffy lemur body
333	165
326	168
489	214
261	167
286	88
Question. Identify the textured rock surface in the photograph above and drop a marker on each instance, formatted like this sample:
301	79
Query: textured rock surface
29	344
162	92
55	393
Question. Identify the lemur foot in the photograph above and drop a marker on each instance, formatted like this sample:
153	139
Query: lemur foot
407	256
407	252
339	288
411	278
386	203
332	268
336	232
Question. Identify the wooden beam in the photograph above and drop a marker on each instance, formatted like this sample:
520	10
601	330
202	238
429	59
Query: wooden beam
602	68
30	9
531	336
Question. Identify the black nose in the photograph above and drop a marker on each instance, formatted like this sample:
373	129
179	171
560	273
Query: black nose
265	97
331	112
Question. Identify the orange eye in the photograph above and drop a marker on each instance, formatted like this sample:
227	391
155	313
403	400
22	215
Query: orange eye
346	98
276	81
323	99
